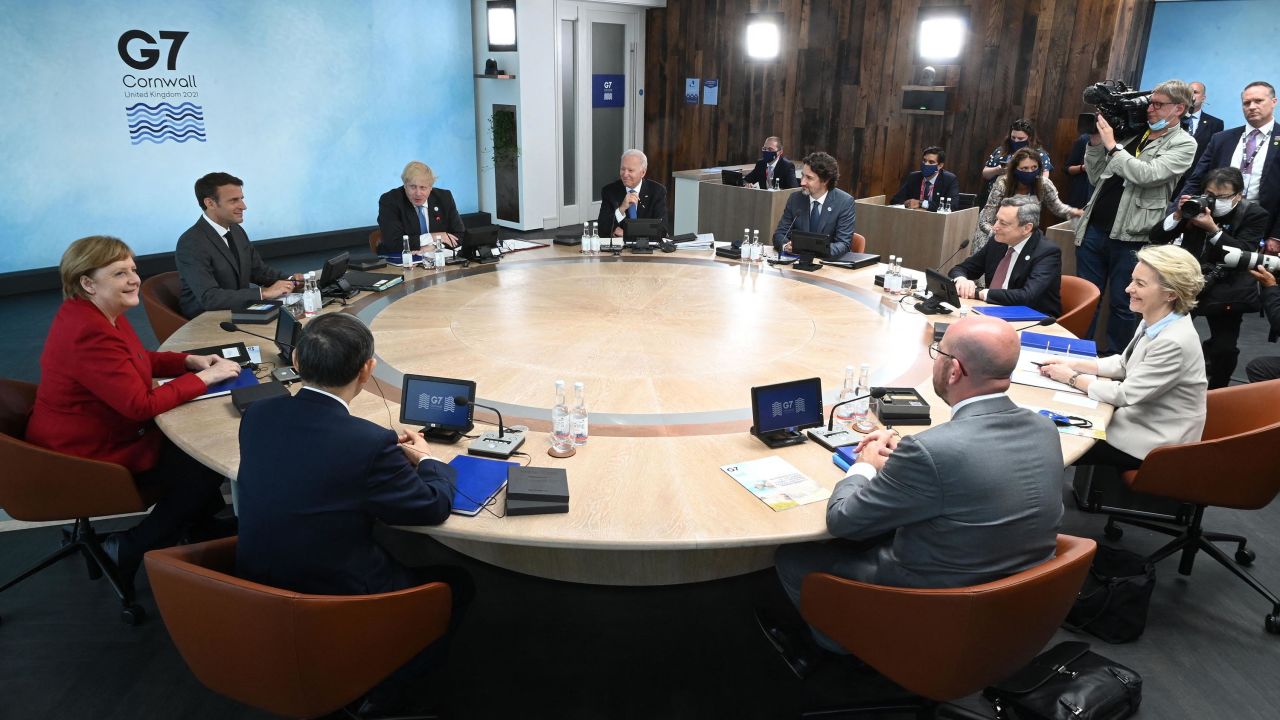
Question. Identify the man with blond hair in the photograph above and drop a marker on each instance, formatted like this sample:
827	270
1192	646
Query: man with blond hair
417	208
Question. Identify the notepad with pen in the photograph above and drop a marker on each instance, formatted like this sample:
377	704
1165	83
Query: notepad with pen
479	481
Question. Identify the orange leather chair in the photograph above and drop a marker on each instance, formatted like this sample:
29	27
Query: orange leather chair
39	485
1079	299
859	243
160	295
946	644
287	653
1233	465
375	237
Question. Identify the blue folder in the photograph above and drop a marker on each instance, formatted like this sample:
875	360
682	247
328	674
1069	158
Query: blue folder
1058	344
244	379
1011	313
844	457
479	480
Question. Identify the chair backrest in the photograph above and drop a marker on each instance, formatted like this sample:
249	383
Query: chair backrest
1079	297
289	653
945	644
375	237
40	485
1233	465
160	297
859	243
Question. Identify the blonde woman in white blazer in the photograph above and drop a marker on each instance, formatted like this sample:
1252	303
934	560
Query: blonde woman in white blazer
1158	383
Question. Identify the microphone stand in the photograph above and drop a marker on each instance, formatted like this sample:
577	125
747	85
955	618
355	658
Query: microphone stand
831	438
498	445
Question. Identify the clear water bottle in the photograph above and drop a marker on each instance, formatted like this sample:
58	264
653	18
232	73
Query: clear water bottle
406	253
745	248
757	250
561	436
595	235
439	256
844	413
773	184
585	245
860	415
578	421
892	278
310	295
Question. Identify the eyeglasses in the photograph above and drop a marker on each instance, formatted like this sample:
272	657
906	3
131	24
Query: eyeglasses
1157	105
935	351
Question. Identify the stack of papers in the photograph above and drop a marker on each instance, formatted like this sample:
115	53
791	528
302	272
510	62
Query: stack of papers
1037	347
776	482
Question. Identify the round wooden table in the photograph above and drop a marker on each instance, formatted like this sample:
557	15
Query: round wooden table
668	347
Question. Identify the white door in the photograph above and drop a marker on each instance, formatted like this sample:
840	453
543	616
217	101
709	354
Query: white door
596	45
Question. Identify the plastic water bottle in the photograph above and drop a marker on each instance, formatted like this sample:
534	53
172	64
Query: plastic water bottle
860	409
578	422
595	234
439	256
745	248
310	296
892	278
844	413
406	253
561	437
585	244
757	250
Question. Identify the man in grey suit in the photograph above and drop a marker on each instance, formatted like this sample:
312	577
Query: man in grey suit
962	503
819	207
215	260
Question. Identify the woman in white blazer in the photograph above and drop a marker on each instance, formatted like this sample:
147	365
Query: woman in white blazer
1158	383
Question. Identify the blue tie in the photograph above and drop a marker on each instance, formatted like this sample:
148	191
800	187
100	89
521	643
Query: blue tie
422	221
815	216
631	209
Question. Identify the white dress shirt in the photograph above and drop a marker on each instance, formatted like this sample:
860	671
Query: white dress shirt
222	232
1013	260
1253	179
618	215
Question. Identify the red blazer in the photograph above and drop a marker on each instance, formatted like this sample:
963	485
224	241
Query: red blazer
96	398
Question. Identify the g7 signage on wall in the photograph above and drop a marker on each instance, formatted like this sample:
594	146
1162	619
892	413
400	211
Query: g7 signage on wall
148	54
160	121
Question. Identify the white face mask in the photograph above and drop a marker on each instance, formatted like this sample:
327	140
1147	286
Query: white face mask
1223	206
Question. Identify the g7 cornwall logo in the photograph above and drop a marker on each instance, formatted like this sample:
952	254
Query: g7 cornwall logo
161	121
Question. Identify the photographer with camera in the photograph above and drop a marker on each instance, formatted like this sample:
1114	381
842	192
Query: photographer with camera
1267	368
1133	167
1209	224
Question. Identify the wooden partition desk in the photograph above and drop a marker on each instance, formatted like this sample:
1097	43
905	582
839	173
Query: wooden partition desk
924	239
705	205
669	347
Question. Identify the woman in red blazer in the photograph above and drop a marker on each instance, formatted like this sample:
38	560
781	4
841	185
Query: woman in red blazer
97	398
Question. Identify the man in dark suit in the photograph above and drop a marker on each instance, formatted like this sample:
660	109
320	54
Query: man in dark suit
935	510
416	208
820	207
216	263
772	166
1021	267
1252	148
631	196
1202	127
925	188
315	480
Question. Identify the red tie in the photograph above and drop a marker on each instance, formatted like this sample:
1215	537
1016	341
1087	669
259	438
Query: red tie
1002	271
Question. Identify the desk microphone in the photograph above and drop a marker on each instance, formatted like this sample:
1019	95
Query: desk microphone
232	327
497	445
1044	322
963	245
832	438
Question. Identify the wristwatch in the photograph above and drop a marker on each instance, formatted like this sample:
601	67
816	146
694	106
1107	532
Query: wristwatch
1072	380
1114	149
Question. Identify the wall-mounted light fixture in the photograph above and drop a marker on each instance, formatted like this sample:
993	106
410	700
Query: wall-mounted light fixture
764	36
941	37
502	25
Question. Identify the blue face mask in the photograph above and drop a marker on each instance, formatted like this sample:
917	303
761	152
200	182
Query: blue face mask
928	170
769	155
1026	177
1016	145
1159	124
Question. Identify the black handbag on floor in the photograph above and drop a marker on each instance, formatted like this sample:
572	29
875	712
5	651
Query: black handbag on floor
1113	603
1068	682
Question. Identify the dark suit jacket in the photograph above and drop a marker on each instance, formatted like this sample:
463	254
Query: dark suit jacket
313	480
211	278
1241	228
653	203
837	220
1218	154
784	171
945	186
1035	280
397	218
1205	130
96	397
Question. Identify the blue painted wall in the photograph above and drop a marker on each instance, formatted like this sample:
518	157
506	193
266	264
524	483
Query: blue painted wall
316	105
1225	44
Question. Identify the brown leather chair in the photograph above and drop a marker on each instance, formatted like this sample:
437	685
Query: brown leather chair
160	295
39	485
859	243
1079	298
1233	466
375	237
945	644
285	652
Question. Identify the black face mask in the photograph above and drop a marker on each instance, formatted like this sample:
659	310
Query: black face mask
769	155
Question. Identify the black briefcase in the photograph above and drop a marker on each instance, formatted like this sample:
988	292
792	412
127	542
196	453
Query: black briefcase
1068	682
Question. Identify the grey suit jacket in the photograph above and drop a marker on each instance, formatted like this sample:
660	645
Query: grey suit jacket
837	220
211	279
972	500
1157	387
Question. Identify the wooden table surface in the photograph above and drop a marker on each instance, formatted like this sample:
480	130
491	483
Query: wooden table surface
668	347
